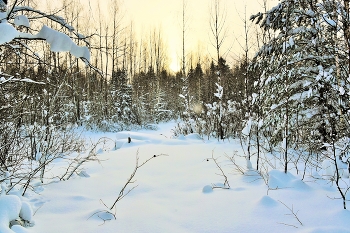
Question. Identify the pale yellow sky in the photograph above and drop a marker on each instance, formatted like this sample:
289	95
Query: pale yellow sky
147	15
167	14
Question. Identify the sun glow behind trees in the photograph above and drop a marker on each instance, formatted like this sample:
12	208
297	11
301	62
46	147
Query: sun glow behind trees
166	15
174	65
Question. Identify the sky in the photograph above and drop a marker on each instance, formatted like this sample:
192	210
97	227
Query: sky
167	15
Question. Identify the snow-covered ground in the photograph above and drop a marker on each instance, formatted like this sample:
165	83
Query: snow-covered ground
173	192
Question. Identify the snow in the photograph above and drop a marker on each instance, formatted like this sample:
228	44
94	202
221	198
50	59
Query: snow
260	123
26	212
52	17
207	189
21	20
328	168
329	21
310	13
291	41
60	42
20	229
249	164
246	129
79	51
284	144
7	33
175	192
10	207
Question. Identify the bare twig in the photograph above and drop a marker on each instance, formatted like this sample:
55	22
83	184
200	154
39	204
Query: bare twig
292	214
78	161
123	192
103	219
238	168
226	183
287	224
131	180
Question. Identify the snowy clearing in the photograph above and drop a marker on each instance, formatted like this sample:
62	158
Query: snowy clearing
174	192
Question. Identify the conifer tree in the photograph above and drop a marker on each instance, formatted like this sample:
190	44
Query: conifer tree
299	86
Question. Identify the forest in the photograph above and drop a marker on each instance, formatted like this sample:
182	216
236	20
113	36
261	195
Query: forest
285	97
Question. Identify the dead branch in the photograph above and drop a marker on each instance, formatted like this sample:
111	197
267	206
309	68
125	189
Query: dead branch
238	168
131	180
292	214
226	183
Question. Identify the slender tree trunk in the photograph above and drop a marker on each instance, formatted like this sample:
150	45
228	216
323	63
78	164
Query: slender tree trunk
286	139
183	40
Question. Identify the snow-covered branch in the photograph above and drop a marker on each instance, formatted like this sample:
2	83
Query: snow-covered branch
58	41
55	18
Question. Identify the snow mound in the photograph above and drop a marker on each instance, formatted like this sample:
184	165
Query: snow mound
267	201
119	144
280	180
26	212
10	207
84	174
181	137
207	189
194	136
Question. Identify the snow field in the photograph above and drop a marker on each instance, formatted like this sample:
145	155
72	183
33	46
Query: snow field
170	197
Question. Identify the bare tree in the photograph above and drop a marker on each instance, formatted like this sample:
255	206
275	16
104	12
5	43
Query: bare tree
116	31
184	25
246	47
218	26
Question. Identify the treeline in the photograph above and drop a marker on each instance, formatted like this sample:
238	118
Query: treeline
126	85
75	96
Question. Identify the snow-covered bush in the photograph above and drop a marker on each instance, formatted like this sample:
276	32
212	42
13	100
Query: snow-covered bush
217	119
35	117
14	213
